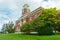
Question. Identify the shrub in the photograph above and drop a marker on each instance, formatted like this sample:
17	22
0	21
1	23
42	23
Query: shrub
45	31
26	28
58	29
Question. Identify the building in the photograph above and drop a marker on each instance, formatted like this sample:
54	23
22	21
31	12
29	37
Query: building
26	16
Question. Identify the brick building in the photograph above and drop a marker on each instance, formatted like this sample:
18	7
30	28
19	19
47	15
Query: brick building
26	16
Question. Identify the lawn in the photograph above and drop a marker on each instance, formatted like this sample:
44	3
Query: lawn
28	37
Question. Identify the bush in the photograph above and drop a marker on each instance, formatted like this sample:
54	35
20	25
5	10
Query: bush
58	29
26	28
45	31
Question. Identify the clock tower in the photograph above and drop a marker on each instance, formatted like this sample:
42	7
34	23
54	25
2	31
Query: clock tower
25	10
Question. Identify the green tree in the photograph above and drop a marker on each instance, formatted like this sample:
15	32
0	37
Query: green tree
57	20
9	27
45	21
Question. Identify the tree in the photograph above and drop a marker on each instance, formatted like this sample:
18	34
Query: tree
3	30
9	27
58	20
44	23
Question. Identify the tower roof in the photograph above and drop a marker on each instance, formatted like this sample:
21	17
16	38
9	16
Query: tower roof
25	6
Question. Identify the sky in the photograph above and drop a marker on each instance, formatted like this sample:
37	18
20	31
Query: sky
11	10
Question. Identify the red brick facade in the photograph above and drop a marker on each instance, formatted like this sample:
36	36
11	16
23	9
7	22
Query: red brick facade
26	16
17	28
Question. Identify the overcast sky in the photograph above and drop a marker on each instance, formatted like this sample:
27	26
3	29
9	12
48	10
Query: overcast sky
10	10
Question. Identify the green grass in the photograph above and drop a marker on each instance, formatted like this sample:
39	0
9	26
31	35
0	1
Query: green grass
27	37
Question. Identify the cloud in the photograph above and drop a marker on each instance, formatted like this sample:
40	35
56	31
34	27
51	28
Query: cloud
34	1
48	4
1	1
